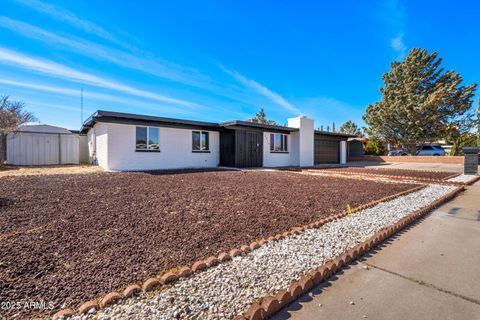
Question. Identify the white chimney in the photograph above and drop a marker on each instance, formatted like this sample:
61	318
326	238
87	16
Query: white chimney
303	144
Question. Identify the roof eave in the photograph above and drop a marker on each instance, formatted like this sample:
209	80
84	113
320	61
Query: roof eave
338	134
257	125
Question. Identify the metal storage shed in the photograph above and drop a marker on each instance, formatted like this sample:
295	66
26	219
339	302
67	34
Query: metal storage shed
42	145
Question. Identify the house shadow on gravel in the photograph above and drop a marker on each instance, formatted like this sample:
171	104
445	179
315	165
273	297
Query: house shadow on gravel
184	171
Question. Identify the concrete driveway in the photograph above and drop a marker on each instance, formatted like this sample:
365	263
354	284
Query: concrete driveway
429	271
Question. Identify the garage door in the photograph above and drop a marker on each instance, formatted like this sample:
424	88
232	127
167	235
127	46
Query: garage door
326	151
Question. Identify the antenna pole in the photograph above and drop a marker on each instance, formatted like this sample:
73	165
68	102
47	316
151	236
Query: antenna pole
81	106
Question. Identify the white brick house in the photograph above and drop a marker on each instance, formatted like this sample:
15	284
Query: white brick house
122	142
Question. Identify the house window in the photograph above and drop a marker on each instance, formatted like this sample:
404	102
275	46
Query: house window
278	142
200	141
147	139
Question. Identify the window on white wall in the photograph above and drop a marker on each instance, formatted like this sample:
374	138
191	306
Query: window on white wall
200	141
147	139
278	142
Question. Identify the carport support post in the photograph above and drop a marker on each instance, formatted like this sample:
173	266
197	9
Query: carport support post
343	152
470	160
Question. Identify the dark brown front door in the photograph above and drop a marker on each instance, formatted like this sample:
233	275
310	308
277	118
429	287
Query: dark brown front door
249	148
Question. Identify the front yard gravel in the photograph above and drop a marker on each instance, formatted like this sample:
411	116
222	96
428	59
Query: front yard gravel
67	239
226	290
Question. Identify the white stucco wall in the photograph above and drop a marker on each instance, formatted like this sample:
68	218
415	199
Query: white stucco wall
276	159
175	149
295	148
305	139
100	136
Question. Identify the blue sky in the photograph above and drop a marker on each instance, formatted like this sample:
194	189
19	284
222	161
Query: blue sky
221	60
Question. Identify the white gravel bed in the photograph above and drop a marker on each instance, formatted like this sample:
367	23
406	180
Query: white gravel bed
226	290
463	178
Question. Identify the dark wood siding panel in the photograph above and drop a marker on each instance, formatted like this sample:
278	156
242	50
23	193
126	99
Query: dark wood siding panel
254	149
227	148
240	148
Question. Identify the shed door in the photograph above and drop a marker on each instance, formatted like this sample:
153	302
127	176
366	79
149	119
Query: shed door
326	151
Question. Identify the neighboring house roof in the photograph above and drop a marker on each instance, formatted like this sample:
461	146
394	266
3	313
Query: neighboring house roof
129	118
43	128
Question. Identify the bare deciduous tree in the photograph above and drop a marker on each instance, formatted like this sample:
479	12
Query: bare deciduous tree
12	115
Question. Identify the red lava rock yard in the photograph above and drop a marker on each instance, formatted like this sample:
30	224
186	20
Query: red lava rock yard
68	239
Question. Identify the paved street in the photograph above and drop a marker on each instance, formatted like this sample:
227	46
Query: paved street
429	271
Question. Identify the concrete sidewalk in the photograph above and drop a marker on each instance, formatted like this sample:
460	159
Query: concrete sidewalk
429	271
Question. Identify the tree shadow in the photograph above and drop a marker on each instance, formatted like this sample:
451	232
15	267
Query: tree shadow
8	168
453	210
4	202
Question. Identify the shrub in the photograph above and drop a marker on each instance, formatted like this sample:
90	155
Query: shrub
374	148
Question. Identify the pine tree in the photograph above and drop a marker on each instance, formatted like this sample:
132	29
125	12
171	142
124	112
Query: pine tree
261	117
420	100
351	128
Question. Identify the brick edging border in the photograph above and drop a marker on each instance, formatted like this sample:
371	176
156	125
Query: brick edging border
174	274
360	177
269	305
394	177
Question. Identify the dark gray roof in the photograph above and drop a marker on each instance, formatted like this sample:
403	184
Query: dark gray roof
256	125
336	134
130	118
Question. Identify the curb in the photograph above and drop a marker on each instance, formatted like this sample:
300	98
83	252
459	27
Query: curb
469	183
171	275
259	311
